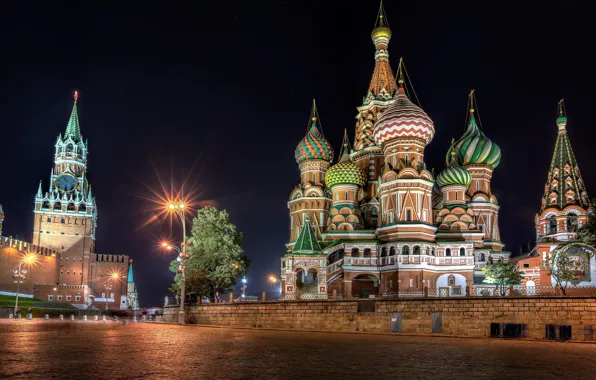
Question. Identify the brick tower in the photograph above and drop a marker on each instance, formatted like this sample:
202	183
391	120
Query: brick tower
65	217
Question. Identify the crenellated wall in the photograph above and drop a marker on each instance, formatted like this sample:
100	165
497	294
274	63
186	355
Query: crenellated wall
469	316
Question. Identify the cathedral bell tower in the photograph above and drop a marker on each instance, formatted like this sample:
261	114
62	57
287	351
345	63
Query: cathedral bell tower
65	216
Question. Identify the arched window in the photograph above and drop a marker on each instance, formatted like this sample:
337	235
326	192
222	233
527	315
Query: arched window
392	251
69	148
552	225
383	252
405	250
572	223
451	280
416	250
432	251
448	252
409	215
62	220
481	257
367	252
462	251
374	212
355	252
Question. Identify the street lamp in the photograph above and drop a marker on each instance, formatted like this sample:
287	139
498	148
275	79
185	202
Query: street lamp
114	276
178	209
19	275
243	288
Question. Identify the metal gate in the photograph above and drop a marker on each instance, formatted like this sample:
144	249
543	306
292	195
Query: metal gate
437	322
395	324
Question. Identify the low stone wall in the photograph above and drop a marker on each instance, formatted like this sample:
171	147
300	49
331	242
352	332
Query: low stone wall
469	316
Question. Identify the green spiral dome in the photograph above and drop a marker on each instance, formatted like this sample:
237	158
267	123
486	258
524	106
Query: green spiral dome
345	172
474	148
454	175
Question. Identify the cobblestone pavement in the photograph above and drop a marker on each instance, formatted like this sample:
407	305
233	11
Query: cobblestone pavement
63	350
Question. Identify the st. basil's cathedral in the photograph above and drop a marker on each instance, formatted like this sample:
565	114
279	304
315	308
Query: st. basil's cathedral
379	222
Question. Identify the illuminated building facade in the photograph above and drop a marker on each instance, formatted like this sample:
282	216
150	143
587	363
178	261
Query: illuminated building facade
378	221
64	225
564	208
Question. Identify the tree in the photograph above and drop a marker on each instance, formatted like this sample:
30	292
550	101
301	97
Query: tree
502	274
567	263
587	232
215	259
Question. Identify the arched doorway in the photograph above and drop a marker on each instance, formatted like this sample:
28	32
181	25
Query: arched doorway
365	285
530	288
307	282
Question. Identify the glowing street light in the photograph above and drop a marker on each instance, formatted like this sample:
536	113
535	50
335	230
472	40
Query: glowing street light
114	276
178	208
19	274
271	279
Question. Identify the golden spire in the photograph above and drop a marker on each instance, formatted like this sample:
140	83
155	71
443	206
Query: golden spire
381	30
400	72
313	112
471	100
346	147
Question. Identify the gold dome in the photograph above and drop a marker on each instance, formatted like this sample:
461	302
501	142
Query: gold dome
381	31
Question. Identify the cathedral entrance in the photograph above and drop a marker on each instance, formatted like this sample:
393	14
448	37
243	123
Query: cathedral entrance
307	282
364	286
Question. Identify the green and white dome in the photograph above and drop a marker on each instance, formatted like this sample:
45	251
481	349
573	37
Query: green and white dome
474	148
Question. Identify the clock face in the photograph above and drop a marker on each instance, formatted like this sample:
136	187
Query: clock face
66	182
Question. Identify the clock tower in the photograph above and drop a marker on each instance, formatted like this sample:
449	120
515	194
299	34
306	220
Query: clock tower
65	216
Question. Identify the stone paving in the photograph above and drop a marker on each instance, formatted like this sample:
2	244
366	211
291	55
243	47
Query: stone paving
54	349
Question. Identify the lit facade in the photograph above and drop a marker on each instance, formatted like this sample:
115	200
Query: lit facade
564	208
64	225
379	220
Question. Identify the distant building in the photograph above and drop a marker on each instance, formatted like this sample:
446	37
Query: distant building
65	220
379	220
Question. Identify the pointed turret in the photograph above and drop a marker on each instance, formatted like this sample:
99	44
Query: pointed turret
382	84
130	277
73	130
89	196
564	185
307	243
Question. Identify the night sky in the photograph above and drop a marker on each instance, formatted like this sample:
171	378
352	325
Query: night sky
219	93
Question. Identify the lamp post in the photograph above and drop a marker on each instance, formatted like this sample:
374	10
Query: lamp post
178	209
108	286
244	286
19	275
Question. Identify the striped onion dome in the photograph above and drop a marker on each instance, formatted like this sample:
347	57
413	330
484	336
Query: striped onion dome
313	146
454	175
474	148
345	171
403	119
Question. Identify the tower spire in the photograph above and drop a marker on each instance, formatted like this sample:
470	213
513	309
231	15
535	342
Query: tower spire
382	84
562	117
73	129
39	192
345	156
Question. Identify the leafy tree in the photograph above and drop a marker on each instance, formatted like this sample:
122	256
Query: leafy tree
565	263
502	274
587	232
215	259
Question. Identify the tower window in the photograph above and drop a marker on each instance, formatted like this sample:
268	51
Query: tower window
462	251
409	215
62	220
406	250
49	219
448	252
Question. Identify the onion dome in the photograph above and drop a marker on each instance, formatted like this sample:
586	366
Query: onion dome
474	148
381	30
403	119
314	146
453	174
345	171
562	119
